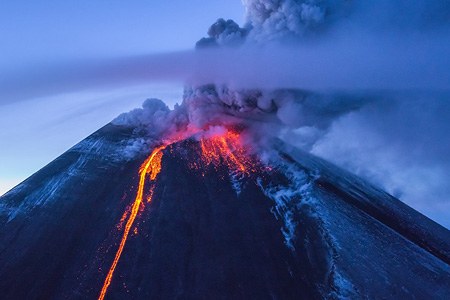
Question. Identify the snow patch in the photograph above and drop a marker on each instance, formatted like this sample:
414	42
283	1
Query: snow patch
48	192
287	199
236	182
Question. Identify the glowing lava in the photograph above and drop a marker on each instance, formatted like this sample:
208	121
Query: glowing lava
226	148
151	166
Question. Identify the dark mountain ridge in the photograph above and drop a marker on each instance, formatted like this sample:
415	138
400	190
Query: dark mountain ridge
300	229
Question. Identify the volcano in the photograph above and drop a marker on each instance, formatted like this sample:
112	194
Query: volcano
207	217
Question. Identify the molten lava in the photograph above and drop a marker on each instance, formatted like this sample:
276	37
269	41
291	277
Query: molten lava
226	148
151	166
223	148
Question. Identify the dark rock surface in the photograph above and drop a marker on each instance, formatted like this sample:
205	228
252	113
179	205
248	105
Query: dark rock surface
304	230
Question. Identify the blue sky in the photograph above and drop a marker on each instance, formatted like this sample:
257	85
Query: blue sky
49	29
36	131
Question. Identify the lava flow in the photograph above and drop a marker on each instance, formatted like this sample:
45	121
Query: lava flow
226	148
151	166
223	148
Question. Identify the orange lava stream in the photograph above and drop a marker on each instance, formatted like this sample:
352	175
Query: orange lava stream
226	146
151	166
217	149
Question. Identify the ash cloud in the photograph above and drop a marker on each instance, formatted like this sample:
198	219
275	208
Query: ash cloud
295	19
364	84
399	142
279	19
223	33
396	139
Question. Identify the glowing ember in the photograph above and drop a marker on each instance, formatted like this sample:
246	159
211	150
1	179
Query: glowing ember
151	166
124	217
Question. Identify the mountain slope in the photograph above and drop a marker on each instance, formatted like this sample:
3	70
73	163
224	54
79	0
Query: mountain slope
292	226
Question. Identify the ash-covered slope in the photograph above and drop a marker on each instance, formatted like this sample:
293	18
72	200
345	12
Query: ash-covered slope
291	226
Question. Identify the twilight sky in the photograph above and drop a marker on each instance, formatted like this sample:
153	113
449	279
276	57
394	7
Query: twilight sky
35	131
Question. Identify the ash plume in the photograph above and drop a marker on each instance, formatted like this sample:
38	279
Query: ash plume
324	75
333	80
296	19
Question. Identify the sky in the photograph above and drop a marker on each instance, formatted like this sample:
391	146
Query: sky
33	33
46	29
